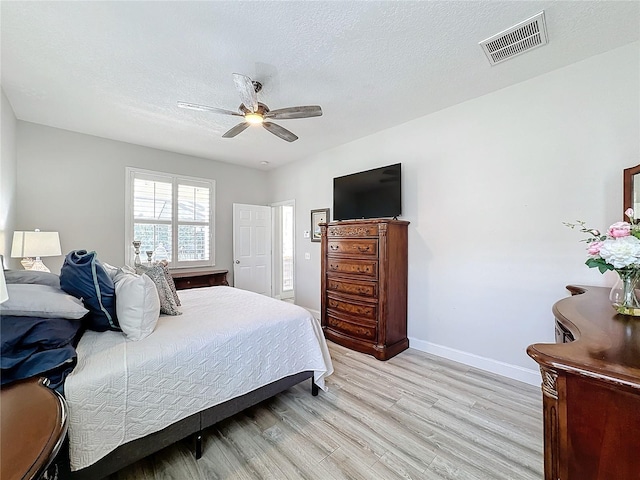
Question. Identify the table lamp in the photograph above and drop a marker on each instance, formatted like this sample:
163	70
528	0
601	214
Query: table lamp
33	245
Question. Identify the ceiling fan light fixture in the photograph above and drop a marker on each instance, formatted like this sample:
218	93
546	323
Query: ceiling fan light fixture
254	118
255	113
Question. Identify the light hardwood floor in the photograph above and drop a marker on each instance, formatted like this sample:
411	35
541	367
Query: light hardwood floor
415	416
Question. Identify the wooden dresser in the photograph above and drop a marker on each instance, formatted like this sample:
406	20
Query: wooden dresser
364	285
200	278
591	390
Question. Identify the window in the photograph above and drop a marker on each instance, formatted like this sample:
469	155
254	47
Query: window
287	248
172	217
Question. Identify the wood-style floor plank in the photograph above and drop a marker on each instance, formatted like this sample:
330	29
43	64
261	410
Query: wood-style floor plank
415	416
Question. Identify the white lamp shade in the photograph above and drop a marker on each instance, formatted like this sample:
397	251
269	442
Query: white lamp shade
4	295
35	244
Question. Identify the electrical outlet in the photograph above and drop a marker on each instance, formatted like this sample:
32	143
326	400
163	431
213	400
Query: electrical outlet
307	256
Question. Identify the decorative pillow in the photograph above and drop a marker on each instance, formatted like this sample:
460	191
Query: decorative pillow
168	304
111	270
32	276
137	305
84	277
172	284
32	300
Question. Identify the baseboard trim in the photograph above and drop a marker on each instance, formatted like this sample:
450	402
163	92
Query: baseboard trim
515	372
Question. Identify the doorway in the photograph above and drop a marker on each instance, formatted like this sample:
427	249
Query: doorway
283	216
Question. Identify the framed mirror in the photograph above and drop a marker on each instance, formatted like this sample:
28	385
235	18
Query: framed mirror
631	191
321	215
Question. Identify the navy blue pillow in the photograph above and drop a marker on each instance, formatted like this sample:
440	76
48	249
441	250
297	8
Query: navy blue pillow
84	277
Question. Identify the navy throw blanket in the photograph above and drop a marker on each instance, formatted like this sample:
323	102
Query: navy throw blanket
34	346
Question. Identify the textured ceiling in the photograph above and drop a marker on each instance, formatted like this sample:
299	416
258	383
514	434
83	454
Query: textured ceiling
117	69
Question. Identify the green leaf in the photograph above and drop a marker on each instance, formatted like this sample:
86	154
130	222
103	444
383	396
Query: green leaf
599	263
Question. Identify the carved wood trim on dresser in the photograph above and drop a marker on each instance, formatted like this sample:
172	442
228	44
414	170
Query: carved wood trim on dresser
364	285
591	390
552	419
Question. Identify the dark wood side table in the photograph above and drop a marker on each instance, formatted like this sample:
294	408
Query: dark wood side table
591	390
34	424
200	278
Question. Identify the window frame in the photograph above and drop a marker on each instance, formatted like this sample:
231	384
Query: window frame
175	180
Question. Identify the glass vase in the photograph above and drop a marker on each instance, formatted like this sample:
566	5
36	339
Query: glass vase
623	295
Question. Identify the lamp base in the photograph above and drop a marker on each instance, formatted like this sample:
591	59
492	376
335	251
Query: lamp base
36	265
26	263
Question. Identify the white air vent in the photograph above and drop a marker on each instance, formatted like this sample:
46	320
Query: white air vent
520	38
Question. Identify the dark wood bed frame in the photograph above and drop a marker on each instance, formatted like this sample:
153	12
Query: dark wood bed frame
193	425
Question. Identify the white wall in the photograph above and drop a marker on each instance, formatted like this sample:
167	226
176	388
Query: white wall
75	184
486	187
8	176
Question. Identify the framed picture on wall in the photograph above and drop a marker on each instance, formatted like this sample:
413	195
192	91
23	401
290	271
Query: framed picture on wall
318	216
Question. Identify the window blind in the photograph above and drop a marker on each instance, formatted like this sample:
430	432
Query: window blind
172	217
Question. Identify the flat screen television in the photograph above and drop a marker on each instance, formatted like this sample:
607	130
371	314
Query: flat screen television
371	194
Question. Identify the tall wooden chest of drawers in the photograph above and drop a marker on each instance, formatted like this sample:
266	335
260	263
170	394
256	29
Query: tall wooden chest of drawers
364	285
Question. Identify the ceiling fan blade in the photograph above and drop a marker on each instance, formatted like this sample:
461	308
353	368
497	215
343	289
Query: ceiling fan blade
247	91
279	131
205	108
295	112
241	127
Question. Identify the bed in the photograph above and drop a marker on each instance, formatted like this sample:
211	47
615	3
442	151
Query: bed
227	351
230	349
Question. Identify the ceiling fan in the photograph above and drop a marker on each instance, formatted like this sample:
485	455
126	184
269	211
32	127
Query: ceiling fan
256	113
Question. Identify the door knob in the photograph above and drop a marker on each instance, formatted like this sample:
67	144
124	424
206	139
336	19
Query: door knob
237	261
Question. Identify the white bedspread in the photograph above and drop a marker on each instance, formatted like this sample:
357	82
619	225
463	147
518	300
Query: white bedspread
227	342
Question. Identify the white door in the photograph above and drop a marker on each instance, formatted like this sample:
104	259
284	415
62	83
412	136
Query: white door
252	248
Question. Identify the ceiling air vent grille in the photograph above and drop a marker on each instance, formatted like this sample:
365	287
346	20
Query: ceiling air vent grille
520	38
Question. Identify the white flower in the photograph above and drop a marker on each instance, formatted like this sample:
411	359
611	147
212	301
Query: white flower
621	252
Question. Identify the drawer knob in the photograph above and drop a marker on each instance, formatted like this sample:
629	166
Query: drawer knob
334	247
364	249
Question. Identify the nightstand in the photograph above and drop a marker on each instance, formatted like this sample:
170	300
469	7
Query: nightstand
33	426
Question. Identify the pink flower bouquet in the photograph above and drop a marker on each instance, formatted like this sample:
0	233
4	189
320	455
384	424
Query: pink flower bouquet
618	249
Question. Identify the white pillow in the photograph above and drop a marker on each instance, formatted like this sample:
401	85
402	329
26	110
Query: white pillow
111	271
32	300
137	304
